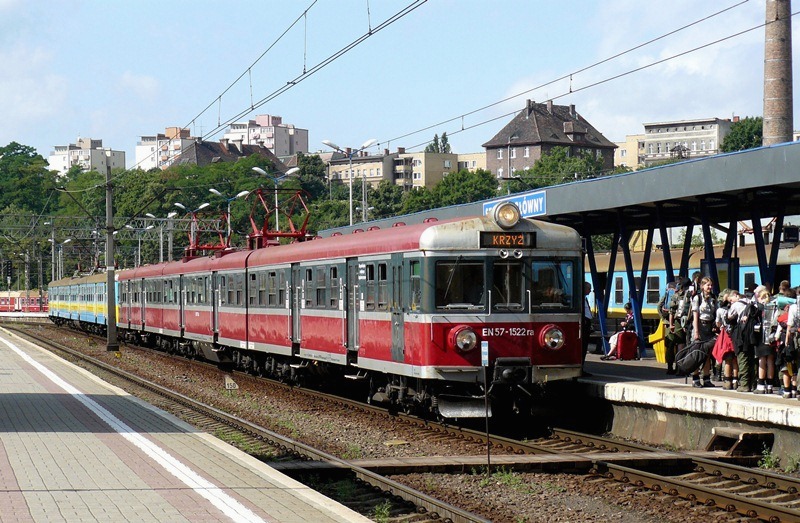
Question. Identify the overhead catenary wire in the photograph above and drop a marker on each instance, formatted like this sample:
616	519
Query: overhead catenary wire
579	89
565	76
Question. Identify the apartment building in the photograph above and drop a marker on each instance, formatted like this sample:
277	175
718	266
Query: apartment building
684	139
539	128
89	154
269	131
630	153
162	150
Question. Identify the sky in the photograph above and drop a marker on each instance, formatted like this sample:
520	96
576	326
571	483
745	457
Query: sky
117	70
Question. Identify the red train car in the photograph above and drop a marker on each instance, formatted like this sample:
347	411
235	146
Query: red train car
414	312
23	301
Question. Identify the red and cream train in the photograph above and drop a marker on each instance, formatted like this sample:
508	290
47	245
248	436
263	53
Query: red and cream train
414	312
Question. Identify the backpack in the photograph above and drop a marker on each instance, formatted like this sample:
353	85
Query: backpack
692	356
664	303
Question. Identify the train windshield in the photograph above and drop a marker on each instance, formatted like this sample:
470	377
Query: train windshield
460	284
507	286
553	284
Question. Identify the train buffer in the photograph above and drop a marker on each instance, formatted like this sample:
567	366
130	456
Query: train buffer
740	441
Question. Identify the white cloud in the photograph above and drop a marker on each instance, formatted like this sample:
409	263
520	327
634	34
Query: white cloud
143	87
31	94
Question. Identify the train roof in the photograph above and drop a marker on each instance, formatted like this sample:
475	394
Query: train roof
453	234
90	278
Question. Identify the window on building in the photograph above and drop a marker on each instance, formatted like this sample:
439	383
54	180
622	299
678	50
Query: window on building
499	154
526	153
500	172
650	148
694	146
658	147
623	153
447	164
513	152
702	145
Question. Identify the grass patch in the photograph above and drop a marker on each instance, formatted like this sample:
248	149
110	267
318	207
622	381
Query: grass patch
768	459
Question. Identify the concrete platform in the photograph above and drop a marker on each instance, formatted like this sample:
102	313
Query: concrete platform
74	448
651	405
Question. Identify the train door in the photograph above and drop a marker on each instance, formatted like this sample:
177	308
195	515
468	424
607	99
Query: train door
354	273
397	305
296	300
145	285
216	296
182	305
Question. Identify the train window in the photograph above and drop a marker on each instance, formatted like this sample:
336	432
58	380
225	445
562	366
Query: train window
252	290
262	289
459	284
309	289
653	289
334	290
553	284
619	295
238	281
321	287
507	286
369	270
749	281
272	289
416	285
282	290
383	291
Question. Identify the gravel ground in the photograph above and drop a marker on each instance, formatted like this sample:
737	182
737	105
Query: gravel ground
502	497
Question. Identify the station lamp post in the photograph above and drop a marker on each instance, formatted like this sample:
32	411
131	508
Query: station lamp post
276	180
139	239
193	230
350	153
58	268
228	212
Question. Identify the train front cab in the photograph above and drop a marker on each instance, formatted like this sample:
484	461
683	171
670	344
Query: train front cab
473	284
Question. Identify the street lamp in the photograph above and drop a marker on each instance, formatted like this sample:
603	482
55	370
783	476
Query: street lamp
350	155
59	272
139	238
193	230
170	216
228	214
276	180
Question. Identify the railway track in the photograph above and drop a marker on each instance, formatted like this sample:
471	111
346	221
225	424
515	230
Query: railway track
739	490
261	442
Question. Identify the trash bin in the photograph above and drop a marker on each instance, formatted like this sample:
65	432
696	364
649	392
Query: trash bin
659	343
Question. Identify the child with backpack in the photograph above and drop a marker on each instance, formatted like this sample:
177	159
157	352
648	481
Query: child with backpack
704	313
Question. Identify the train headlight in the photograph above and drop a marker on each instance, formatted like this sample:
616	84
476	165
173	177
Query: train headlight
463	338
552	337
506	215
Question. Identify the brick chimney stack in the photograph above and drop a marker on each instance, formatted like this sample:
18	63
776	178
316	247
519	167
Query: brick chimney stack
778	109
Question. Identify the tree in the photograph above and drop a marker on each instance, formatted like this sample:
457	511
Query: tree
387	200
25	180
438	145
554	168
465	187
744	134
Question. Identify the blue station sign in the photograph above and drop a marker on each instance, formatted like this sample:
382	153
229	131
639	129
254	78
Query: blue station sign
530	204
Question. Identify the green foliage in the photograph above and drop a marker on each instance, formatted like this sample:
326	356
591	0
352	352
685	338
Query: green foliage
553	168
438	145
768	459
744	134
24	178
382	511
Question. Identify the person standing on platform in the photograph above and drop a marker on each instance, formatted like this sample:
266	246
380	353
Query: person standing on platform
729	310
586	324
704	312
677	314
790	353
743	336
764	348
669	337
